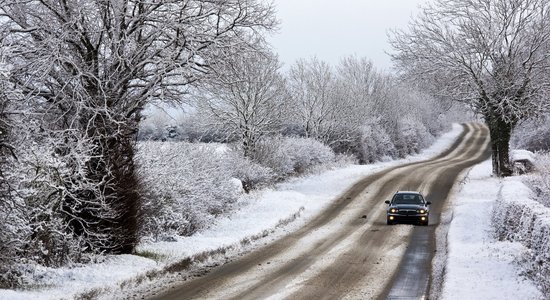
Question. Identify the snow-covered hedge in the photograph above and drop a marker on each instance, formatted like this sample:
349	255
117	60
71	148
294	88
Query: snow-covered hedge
187	186
411	136
533	135
35	220
250	174
518	218
292	155
540	180
375	143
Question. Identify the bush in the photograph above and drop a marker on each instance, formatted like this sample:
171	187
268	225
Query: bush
13	235
540	181
250	174
410	137
187	186
375	143
292	155
533	135
518	218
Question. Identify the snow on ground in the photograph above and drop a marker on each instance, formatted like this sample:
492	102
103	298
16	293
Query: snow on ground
478	265
259	212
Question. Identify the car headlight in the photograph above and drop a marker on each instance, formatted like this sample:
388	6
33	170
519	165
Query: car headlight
393	210
422	211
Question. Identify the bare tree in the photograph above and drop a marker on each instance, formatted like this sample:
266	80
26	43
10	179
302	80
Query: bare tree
361	91
491	54
90	66
245	97
313	104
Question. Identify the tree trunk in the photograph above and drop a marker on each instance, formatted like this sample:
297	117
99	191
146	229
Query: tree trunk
107	212
124	193
248	141
501	132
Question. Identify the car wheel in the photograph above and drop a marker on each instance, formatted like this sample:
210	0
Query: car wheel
389	222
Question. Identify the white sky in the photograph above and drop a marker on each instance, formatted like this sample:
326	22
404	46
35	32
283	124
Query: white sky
332	29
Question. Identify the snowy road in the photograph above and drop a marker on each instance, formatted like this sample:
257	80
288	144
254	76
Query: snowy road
341	254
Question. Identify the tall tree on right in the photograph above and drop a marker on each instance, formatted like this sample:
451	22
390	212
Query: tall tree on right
492	55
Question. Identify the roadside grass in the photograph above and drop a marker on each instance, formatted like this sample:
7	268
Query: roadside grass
151	255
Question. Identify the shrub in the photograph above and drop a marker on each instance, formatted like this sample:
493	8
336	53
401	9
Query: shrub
292	155
250	174
187	186
410	137
533	135
375	143
518	218
540	181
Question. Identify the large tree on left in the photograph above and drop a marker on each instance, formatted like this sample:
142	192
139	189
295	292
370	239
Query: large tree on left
89	67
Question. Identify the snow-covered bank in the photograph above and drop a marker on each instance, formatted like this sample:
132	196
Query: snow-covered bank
259	213
478	265
520	219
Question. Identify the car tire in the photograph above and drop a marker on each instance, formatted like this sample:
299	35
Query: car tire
388	222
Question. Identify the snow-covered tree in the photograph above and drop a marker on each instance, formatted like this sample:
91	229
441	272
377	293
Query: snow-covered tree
354	106
375	143
245	97
491	54
311	84
361	92
90	67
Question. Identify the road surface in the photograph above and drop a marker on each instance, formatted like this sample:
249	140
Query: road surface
341	254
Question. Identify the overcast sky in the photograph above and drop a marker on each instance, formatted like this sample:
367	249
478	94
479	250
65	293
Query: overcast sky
332	29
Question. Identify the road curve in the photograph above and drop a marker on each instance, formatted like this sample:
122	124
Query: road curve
339	254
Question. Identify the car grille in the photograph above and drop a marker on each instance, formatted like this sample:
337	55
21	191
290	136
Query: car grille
407	212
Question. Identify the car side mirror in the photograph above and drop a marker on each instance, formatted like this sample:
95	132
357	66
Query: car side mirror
387	201
429	202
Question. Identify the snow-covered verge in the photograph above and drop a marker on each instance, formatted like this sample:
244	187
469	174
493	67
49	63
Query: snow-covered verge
520	219
258	214
479	265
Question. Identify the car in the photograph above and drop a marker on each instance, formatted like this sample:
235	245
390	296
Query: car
408	206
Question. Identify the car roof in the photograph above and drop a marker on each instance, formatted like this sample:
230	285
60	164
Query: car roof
408	192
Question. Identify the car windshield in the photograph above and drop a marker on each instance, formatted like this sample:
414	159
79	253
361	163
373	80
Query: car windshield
408	199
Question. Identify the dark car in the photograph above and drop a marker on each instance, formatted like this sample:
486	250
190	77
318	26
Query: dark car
407	206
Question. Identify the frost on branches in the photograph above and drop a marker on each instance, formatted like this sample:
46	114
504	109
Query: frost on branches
490	54
79	75
292	155
533	135
244	98
186	187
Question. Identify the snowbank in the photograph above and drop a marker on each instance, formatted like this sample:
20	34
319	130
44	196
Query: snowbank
478	265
